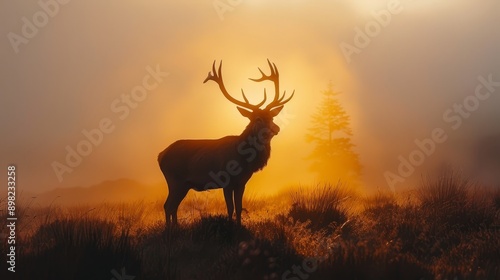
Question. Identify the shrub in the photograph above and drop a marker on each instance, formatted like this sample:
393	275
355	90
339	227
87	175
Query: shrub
450	201
323	206
78	249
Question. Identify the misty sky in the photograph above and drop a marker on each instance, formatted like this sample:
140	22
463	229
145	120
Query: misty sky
73	72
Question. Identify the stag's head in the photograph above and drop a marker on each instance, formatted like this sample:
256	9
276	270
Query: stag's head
261	119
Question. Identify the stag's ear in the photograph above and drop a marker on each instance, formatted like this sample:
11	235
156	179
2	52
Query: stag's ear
244	113
274	112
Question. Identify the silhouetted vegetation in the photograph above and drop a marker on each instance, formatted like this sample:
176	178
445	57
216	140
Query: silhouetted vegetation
445	229
78	249
322	208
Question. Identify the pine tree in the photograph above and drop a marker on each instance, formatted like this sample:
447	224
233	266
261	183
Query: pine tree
333	156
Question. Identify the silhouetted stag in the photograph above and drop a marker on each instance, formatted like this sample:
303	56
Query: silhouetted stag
228	162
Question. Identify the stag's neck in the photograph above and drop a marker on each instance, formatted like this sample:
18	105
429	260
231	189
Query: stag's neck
255	153
248	132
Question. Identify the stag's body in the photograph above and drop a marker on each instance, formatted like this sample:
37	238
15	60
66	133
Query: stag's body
228	162
189	164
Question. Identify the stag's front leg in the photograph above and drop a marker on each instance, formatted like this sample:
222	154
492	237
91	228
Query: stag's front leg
238	202
228	196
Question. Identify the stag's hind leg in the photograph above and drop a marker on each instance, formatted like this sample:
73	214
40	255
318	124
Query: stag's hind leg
176	193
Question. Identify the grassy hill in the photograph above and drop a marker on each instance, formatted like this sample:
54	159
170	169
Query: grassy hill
445	229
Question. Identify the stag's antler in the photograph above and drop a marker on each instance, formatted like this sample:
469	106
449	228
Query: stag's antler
274	77
216	76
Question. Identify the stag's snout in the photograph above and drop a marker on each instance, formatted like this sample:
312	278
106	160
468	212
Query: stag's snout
274	129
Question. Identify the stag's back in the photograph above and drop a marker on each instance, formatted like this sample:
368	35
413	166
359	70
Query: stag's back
193	160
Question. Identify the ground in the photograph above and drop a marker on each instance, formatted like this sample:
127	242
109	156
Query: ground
444	229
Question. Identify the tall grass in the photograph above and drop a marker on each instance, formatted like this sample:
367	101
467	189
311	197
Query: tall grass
323	206
452	200
78	249
446	191
448	233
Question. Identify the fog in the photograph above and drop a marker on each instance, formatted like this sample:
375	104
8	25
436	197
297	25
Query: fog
71	73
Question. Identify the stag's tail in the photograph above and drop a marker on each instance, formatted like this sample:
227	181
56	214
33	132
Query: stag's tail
160	156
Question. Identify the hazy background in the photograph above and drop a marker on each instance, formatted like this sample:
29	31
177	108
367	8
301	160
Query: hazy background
396	90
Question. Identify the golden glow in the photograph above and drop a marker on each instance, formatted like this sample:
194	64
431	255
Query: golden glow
385	89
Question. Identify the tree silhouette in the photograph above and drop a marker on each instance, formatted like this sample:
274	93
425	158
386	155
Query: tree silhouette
333	156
